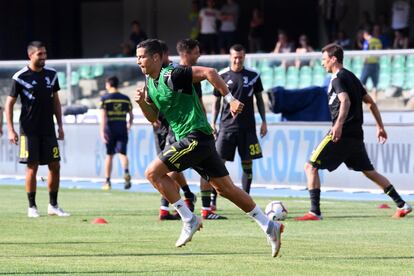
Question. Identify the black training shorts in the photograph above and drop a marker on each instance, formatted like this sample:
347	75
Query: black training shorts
197	151
329	155
38	148
246	142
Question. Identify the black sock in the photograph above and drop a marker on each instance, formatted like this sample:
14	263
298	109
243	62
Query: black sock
126	171
205	198
53	198
164	202
247	177
108	180
187	191
214	197
32	199
392	193
315	197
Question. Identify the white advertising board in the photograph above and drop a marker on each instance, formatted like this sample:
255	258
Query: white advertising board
286	148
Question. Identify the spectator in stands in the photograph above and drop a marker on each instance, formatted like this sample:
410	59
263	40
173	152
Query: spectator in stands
366	21
371	65
378	33
208	28
193	20
343	40
114	128
126	50
229	15
304	47
333	12
137	34
400	15
256	31
1	121
359	40
283	46
400	40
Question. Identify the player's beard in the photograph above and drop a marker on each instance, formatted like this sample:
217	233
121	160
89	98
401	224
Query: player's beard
40	63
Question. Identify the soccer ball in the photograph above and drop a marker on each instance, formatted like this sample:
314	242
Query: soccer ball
276	211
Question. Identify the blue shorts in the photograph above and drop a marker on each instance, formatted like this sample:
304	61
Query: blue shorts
117	144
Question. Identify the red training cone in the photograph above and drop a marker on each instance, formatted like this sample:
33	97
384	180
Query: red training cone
383	206
99	221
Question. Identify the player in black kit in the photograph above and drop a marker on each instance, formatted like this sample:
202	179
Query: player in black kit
345	141
240	132
37	85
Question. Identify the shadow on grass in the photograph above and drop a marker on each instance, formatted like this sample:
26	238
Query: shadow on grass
91	272
158	254
362	258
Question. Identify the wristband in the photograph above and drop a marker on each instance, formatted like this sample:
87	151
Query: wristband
229	97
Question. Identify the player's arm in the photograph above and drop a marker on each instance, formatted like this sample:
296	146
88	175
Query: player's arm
215	111
131	117
201	73
103	121
1	121
57	108
336	130
262	112
381	133
258	92
148	108
11	133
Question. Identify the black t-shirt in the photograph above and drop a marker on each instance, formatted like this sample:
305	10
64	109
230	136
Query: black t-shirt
117	105
242	85
346	82
36	90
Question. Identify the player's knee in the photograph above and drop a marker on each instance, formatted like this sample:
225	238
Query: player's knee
309	169
54	167
151	174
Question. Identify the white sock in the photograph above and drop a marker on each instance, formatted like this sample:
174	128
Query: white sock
258	215
183	210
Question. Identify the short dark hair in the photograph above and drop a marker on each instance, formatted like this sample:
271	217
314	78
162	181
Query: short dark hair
135	22
187	45
152	46
238	48
35	45
164	46
334	50
113	81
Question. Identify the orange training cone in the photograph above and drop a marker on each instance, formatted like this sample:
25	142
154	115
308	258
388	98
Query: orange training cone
384	206
99	221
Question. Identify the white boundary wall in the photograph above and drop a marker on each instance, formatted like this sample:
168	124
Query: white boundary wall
286	148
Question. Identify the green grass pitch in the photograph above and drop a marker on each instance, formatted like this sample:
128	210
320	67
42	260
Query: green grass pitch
355	238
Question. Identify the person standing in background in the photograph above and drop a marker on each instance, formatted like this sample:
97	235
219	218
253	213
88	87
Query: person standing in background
114	129
240	132
38	86
229	16
208	28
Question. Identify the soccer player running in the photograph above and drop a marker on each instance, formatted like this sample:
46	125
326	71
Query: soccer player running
170	91
345	141
189	52
163	135
37	85
240	131
114	129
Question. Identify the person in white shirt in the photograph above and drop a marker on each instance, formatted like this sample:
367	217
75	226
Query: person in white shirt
208	17
400	14
229	15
